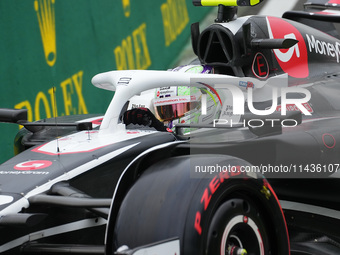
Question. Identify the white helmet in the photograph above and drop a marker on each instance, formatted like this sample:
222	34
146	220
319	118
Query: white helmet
173	105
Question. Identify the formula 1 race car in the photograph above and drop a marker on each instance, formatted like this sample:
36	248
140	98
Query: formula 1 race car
249	164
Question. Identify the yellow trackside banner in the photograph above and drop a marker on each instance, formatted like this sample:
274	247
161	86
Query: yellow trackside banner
51	49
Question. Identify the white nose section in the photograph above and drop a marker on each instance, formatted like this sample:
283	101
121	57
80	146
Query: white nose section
5	199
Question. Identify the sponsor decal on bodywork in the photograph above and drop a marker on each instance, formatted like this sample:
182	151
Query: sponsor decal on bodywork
293	61
293	107
32	165
323	48
260	66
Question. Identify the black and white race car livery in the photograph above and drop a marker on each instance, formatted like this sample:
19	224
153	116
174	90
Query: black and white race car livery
253	171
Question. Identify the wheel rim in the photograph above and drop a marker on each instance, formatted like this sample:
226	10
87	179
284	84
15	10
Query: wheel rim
241	236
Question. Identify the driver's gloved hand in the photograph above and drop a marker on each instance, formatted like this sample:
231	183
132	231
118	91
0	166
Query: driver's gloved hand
143	116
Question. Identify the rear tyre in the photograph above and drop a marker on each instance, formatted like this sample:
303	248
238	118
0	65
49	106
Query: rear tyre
224	213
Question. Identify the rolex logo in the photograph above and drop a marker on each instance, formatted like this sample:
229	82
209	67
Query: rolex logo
126	7
46	19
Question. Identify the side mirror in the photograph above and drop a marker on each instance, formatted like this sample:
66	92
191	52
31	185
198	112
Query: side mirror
13	115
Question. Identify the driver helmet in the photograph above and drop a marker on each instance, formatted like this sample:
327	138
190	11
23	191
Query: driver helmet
173	105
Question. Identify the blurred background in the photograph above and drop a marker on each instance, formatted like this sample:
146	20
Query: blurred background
51	49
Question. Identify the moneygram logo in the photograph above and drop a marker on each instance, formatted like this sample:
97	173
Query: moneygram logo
33	165
323	48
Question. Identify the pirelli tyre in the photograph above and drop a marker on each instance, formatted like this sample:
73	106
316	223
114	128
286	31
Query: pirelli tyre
223	211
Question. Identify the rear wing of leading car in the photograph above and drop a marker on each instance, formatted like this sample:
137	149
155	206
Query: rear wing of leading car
323	4
320	14
318	10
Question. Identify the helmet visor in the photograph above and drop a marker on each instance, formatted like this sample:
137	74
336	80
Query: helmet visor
174	111
173	108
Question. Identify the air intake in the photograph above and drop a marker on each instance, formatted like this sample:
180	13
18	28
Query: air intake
216	46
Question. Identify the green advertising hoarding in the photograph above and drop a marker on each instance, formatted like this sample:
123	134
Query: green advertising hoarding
50	50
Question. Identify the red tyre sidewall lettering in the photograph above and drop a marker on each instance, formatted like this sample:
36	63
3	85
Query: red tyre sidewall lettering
223	187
